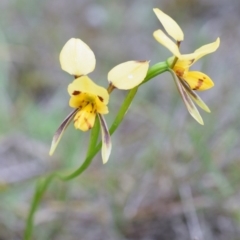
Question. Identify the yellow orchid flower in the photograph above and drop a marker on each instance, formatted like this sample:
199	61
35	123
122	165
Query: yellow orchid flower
179	64
87	98
90	99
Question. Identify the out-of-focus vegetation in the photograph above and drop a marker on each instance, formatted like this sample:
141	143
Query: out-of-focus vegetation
167	177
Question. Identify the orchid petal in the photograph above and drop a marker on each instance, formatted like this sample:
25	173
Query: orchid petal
58	135
85	85
171	27
128	75
106	139
101	107
187	100
200	52
85	118
162	38
75	101
77	58
198	81
195	97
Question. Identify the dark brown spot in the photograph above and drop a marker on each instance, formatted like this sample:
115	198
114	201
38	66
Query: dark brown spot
191	61
76	93
100	98
87	123
179	72
75	76
199	84
76	118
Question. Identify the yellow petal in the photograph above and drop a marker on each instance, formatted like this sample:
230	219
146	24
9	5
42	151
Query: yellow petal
85	85
85	118
181	64
171	27
200	52
180	70
162	38
101	107
128	75
198	81
75	101
77	58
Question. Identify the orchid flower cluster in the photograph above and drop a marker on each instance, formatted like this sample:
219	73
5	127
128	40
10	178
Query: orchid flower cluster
90	100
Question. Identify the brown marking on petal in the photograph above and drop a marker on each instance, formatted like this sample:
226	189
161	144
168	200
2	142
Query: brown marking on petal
76	93
191	61
100	98
178	43
76	118
88	124
179	72
95	111
75	76
199	83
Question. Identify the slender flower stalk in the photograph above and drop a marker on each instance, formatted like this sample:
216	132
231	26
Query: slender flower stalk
186	81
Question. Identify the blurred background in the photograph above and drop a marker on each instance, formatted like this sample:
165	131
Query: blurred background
168	177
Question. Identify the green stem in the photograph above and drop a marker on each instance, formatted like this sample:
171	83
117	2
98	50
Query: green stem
94	137
41	187
44	183
155	70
